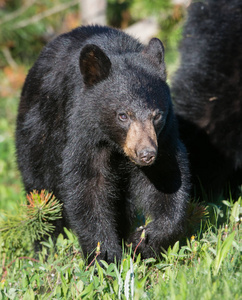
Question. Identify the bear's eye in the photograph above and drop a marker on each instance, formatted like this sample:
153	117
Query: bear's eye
123	117
157	117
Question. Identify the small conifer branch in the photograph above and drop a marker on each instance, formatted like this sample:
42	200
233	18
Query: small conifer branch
33	220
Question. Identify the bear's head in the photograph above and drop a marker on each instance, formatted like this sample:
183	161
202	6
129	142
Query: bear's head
131	96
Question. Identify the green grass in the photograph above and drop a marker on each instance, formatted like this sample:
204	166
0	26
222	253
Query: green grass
207	266
10	185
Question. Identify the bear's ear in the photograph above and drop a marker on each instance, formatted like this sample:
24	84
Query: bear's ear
94	64
155	52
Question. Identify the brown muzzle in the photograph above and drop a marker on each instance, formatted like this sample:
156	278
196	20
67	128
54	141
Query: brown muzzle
141	143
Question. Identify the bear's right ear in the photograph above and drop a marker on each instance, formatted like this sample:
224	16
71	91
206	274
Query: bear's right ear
94	65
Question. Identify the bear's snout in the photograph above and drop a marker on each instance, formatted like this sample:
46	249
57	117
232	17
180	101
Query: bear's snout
141	143
147	156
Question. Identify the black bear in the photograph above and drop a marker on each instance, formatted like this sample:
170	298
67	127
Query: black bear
207	95
96	127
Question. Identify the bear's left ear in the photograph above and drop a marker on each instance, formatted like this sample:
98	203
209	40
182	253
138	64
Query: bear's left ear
155	52
94	64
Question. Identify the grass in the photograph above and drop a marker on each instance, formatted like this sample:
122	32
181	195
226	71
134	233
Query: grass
10	184
207	266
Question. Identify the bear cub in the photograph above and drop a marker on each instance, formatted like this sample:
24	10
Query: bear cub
96	127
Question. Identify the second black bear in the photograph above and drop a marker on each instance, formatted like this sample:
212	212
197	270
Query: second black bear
96	127
207	93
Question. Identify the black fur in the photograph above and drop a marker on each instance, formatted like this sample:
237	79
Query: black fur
70	139
207	92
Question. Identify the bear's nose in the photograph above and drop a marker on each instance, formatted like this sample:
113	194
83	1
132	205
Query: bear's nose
147	156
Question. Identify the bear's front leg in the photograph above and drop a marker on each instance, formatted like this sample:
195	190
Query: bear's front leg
91	206
162	192
92	217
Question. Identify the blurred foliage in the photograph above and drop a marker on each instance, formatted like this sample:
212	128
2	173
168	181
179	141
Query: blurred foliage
27	25
143	8
10	82
170	18
118	13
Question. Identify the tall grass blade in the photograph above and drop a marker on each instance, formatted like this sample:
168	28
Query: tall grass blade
222	251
